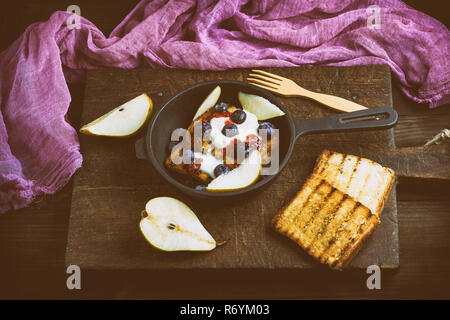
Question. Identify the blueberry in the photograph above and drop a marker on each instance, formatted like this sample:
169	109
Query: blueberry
230	130
242	148
206	126
238	116
221	169
266	126
206	130
221	107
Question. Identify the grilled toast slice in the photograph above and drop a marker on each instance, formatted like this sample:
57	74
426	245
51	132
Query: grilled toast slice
330	225
364	180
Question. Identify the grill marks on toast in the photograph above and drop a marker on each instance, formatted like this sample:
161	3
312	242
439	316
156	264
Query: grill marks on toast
327	223
333	223
337	208
317	224
323	162
322	229
299	201
335	244
350	232
353	236
348	170
311	208
363	179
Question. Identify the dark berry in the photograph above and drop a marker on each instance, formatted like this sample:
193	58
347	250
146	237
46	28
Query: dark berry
206	126
221	107
206	130
238	116
241	149
266	126
221	169
230	130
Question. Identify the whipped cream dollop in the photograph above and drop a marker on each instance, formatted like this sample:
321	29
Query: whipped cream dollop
249	126
209	162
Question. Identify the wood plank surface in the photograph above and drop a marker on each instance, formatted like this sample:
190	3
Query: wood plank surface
113	186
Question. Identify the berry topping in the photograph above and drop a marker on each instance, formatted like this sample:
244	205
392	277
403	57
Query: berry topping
238	116
221	107
221	169
268	127
206	130
205	127
230	130
242	149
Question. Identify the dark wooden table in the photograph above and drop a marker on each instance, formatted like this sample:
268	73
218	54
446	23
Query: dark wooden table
33	240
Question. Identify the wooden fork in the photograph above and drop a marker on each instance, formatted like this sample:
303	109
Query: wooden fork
289	88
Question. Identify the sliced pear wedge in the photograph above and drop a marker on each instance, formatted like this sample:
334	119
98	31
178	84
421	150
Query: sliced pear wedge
241	177
123	121
170	225
259	106
209	102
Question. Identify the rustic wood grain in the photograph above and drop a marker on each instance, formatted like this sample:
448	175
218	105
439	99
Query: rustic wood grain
417	130
113	186
432	162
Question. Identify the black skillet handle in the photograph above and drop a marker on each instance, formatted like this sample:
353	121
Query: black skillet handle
372	118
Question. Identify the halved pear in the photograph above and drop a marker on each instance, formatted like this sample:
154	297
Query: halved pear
209	102
259	106
170	225
241	177
123	121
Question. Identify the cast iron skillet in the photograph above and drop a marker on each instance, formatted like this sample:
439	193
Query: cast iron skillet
179	110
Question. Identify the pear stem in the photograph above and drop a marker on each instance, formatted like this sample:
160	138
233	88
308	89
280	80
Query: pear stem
221	243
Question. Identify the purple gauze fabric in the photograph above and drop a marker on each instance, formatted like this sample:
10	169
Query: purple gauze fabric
39	150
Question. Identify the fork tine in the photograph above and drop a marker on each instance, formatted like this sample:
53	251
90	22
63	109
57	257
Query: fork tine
268	74
264	83
267	79
265	87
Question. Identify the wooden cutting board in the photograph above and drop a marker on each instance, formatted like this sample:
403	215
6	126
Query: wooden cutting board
112	187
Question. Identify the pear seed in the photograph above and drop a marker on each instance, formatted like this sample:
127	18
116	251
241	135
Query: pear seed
171	226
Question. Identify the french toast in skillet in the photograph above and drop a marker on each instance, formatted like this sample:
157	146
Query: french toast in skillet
191	167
